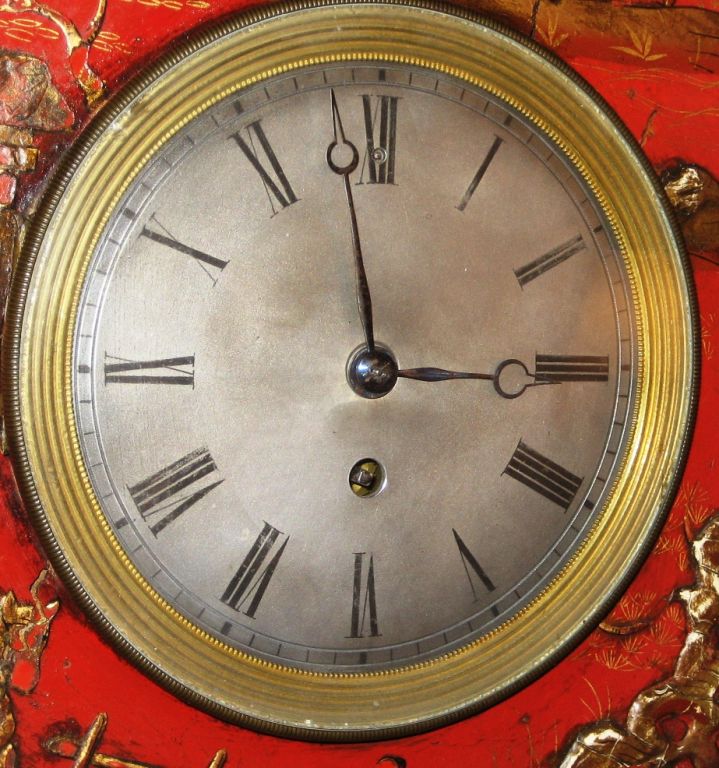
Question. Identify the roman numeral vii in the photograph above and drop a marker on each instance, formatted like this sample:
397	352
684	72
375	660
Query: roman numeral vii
252	578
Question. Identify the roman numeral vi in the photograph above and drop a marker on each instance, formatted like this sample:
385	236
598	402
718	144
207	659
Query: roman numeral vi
364	600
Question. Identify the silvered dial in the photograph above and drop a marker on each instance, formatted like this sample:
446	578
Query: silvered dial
257	475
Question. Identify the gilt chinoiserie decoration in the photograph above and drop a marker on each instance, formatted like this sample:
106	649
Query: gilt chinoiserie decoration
357	111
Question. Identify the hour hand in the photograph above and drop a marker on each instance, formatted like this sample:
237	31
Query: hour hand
338	148
511	377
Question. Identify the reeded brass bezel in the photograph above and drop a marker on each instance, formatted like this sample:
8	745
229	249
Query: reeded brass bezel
39	344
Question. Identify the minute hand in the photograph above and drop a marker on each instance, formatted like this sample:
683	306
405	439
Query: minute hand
364	301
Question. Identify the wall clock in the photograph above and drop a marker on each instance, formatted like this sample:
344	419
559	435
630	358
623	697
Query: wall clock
332	459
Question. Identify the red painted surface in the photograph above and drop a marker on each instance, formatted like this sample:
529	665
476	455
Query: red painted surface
671	104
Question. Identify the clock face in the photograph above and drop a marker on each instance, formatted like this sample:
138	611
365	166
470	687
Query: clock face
345	384
262	494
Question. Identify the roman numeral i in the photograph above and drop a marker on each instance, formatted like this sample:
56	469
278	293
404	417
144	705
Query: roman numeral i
479	175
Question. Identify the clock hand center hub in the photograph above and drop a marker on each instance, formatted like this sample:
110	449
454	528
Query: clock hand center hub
372	373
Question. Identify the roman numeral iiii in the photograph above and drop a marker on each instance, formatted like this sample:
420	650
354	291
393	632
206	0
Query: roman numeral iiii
543	476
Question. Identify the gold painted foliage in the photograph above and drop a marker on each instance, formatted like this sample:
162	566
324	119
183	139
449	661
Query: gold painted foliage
641	47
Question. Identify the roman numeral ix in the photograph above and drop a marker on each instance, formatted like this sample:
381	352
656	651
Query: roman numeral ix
571	368
169	370
543	476
278	189
252	578
364	600
169	493
379	159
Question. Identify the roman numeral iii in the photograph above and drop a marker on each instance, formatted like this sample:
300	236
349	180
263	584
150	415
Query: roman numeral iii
364	601
543	476
379	159
168	370
252	578
571	368
277	186
164	496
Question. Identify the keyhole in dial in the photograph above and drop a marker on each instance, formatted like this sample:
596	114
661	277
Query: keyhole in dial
367	478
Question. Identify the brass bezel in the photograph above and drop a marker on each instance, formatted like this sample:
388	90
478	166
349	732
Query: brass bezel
39	343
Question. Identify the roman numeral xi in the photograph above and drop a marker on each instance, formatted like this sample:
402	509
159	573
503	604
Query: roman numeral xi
273	177
166	495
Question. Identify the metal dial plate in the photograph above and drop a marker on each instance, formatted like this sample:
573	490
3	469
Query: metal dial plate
215	326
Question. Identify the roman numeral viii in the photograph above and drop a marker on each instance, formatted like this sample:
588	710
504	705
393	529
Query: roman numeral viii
364	600
169	370
270	171
543	476
252	578
571	368
169	493
379	159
